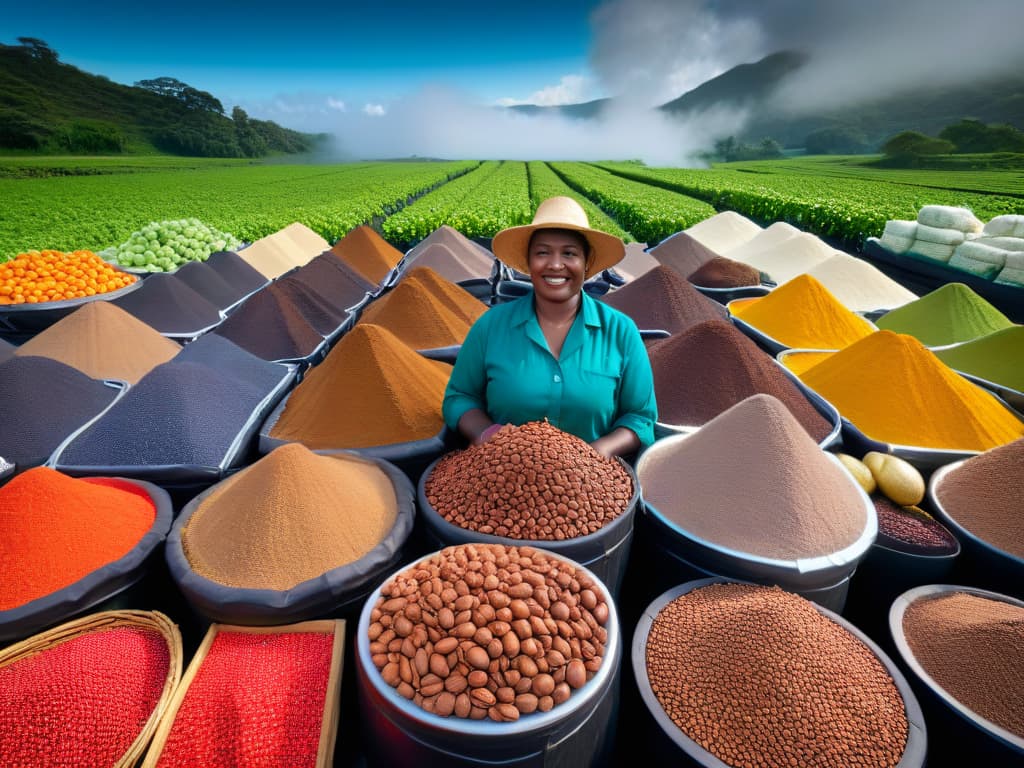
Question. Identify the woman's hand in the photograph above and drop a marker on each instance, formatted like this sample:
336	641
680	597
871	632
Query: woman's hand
618	442
488	433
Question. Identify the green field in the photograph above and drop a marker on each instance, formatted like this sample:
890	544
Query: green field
94	203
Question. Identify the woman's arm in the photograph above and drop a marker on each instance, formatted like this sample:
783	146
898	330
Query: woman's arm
619	442
475	425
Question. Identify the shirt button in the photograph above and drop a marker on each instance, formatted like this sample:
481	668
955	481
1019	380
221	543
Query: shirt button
558	378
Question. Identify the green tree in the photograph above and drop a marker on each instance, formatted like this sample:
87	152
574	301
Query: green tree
914	143
838	140
39	49
250	141
192	98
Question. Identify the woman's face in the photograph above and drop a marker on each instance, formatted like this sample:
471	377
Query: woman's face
558	264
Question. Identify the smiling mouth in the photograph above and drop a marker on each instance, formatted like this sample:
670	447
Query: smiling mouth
556	280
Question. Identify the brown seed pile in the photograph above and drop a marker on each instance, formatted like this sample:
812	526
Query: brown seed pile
486	630
973	647
532	482
758	677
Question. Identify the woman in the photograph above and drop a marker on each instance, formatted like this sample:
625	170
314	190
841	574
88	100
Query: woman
558	353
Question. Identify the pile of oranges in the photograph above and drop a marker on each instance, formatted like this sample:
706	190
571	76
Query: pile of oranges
40	276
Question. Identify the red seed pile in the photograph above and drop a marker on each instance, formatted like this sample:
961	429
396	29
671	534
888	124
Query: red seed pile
83	702
489	631
531	482
257	700
910	530
973	647
758	677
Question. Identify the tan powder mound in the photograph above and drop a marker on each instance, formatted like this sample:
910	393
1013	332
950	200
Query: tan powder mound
104	342
777	496
636	262
290	517
371	390
367	253
859	286
790	258
724	231
455	241
416	316
467	265
764	240
457	299
291	247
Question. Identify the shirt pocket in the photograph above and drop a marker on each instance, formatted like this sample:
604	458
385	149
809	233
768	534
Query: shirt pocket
600	387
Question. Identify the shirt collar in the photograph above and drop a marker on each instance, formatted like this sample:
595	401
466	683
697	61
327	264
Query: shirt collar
524	315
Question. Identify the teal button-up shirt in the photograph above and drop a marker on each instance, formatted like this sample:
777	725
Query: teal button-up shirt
602	380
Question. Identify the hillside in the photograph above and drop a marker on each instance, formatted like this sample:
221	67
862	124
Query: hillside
48	106
750	86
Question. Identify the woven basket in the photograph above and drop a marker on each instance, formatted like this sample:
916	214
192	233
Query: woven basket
329	723
147	620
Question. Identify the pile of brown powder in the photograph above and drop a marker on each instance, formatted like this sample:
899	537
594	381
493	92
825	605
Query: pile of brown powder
367	253
721	272
457	299
981	495
682	253
290	517
370	390
710	367
758	677
973	647
415	315
103	342
662	300
753	480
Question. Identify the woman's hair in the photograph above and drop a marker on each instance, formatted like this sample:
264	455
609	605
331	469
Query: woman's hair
578	236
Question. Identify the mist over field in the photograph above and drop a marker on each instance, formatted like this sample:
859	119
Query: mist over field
647	52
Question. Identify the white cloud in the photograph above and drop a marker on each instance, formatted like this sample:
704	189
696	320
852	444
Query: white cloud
374	110
571	89
335	104
652	51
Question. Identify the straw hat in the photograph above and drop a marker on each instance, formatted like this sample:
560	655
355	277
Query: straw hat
511	245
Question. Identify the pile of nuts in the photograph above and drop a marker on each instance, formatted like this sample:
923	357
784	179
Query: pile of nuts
489	631
532	482
759	677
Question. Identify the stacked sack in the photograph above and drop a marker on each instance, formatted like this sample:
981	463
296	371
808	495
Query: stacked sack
998	252
941	229
899	235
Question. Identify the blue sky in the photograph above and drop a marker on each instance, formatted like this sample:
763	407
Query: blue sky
397	77
379	53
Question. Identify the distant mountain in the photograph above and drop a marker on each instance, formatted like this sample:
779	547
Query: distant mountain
750	86
584	111
746	85
49	106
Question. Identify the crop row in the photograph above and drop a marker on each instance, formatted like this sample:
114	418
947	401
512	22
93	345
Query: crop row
847	210
1000	182
545	183
478	204
649	212
98	211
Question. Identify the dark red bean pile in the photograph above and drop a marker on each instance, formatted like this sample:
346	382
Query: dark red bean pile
488	631
531	482
910	531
